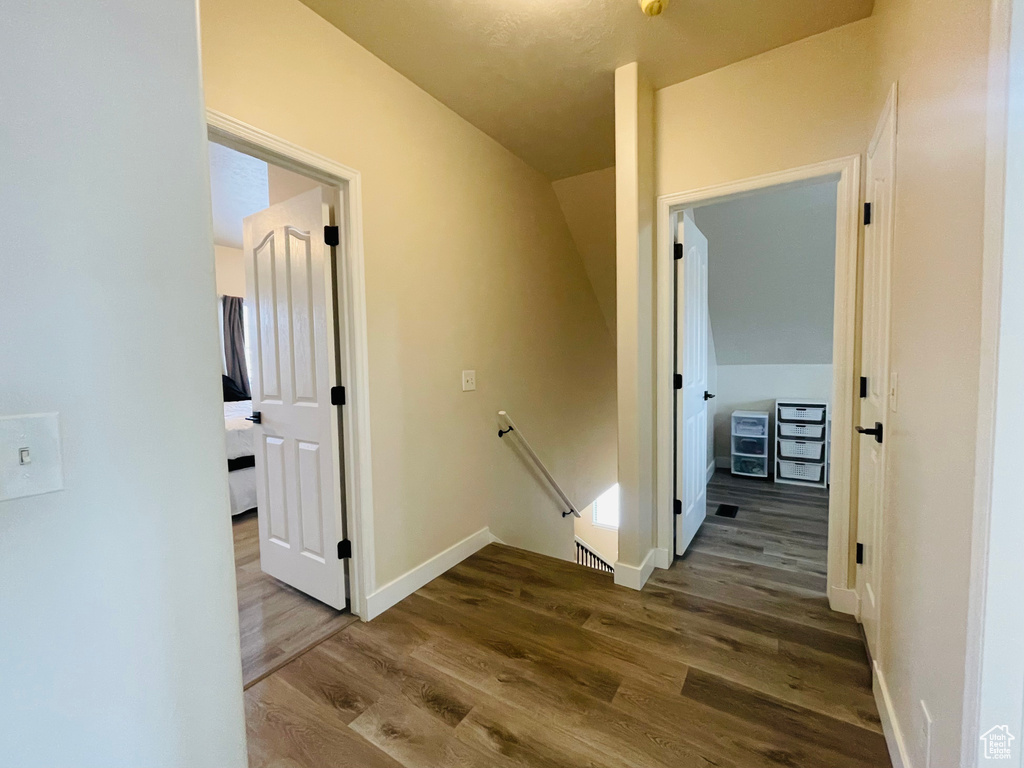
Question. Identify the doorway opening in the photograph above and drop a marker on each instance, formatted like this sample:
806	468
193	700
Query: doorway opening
757	292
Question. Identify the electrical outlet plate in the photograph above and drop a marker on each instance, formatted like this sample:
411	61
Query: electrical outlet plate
468	381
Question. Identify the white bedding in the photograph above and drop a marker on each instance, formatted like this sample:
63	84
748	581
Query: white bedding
239	431
241	482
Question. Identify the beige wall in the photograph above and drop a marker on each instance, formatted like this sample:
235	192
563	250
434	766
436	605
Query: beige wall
937	49
588	203
469	264
809	101
230	269
634	257
819	99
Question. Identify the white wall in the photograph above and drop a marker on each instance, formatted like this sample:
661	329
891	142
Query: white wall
119	634
713	405
230	270
469	265
756	388
771	274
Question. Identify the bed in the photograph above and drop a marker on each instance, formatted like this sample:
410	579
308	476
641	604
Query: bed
241	458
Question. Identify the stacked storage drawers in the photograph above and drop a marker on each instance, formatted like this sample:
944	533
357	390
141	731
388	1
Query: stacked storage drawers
750	443
801	442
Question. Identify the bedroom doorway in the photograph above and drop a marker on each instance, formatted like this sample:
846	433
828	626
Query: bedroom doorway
275	233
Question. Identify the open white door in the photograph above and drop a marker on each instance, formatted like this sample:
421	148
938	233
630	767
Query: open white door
691	381
290	299
874	366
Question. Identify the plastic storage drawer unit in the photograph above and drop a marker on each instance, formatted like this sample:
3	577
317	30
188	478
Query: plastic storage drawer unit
799	449
800	413
806	431
796	470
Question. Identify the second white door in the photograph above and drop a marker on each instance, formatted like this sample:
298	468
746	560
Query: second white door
691	381
290	297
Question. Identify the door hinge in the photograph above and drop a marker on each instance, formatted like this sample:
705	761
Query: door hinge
677	381
332	236
677	507
678	251
337	395
863	386
860	553
867	213
344	549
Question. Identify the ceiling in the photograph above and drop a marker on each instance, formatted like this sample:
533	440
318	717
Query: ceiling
238	188
771	275
537	75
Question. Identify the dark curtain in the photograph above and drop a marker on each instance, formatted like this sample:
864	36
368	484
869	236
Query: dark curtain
234	343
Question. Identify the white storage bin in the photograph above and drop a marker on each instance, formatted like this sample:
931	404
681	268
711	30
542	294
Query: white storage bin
750	465
809	431
750	446
801	413
797	470
800	449
749	427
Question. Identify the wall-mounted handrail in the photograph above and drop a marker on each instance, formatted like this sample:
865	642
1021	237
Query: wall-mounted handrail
510	426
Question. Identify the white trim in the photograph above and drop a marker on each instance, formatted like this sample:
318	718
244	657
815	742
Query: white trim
397	590
890	725
354	364
848	208
844	601
711	470
635	577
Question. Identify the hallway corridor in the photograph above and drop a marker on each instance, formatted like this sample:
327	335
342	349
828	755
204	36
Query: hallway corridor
730	658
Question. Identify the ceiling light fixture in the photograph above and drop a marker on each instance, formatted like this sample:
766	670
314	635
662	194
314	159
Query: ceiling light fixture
653	7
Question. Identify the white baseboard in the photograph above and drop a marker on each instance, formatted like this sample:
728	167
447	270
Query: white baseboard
634	576
395	591
890	725
711	469
844	600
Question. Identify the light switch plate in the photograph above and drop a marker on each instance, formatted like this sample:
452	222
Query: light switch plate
30	462
468	381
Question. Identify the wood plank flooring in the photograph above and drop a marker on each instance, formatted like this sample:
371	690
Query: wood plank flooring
731	658
277	622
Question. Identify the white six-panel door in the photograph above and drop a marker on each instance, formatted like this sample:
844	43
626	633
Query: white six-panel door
878	238
290	299
692	365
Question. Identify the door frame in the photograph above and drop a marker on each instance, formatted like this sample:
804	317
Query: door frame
842	593
352	327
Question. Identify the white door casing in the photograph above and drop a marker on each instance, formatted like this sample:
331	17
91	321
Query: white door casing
692	366
290	297
875	318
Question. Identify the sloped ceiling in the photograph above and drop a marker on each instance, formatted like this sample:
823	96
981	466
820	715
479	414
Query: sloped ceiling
771	275
537	75
588	204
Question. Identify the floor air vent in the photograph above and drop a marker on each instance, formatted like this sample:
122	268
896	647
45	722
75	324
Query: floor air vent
727	510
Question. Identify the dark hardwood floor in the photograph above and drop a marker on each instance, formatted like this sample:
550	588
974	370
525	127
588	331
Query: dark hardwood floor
730	658
277	623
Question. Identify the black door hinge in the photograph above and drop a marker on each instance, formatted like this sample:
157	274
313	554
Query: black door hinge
337	395
860	553
863	386
677	507
344	549
677	381
867	213
678	251
332	236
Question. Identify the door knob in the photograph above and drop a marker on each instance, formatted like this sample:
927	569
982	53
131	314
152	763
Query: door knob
876	431
256	418
707	395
